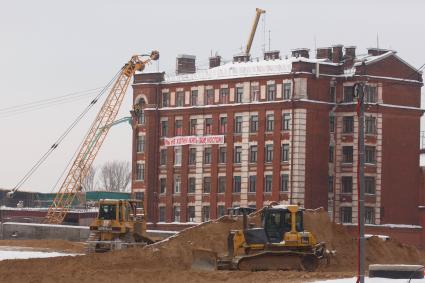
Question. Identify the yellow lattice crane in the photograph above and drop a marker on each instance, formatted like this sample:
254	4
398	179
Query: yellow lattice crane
94	139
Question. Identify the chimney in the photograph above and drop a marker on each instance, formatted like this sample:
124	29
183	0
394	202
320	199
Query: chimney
215	61
300	52
350	52
337	53
376	51
271	55
241	57
324	53
350	56
185	64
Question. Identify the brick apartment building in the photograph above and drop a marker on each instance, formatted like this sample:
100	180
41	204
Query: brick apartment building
249	132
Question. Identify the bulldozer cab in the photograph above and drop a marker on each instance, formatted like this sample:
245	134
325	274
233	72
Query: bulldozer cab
107	211
278	221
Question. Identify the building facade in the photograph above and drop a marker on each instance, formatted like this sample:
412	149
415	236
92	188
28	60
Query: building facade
251	132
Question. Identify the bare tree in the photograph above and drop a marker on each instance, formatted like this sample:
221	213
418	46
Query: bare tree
115	176
89	183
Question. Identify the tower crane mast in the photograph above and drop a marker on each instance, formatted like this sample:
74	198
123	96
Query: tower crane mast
94	139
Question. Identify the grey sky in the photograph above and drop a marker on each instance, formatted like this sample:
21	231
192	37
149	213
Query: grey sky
51	48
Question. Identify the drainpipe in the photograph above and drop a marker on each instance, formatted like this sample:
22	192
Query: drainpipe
292	140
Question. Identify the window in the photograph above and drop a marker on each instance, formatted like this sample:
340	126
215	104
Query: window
207	155
269	122
331	124
223	125
178	131
141	144
224	95
330	184
253	123
253	153
332	92
163	156
205	213
192	156
140	171
194	98
162	214
252	185
238	124
370	125
271	92
286	118
255	92
239	95
222	154
284	153
140	195
369	185
176	214
177	184
347	154
369	215
284	182
370	154
348	94
347	124
180	98
165	99
141	117
162	185
346	214
347	184
192	185
331	153
286	90
177	156
268	183
209	97
269	152
208	126
164	128
220	211
371	94
192	126
238	154
237	184
207	185
221	184
191	213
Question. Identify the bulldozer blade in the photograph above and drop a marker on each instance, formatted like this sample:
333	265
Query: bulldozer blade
204	259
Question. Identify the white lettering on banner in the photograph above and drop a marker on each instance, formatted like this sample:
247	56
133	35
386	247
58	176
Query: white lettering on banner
184	140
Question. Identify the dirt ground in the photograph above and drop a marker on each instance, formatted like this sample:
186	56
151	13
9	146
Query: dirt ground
170	260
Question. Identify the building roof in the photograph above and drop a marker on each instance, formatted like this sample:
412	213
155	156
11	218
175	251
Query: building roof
258	68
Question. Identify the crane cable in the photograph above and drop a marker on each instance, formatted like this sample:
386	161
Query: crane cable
62	137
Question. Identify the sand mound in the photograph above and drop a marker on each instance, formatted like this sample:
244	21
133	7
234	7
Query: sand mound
170	260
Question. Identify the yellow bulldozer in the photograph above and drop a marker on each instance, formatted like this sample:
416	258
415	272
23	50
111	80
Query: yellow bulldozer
119	224
281	243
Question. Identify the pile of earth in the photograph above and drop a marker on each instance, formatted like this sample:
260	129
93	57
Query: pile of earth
170	260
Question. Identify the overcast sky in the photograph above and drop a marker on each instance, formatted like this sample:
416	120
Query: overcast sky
52	48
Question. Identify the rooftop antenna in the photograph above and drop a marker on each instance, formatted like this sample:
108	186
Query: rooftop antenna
377	41
269	38
315	45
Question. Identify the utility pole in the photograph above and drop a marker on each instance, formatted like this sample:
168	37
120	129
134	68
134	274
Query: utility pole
359	93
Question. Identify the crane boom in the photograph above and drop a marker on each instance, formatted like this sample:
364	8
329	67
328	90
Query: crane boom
254	29
94	139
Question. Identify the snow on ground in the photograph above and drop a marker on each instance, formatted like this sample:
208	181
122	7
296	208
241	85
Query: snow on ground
25	253
372	280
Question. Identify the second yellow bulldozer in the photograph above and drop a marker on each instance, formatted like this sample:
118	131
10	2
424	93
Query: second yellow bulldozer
281	243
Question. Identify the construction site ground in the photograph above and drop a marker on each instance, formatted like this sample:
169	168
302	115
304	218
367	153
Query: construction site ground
170	260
